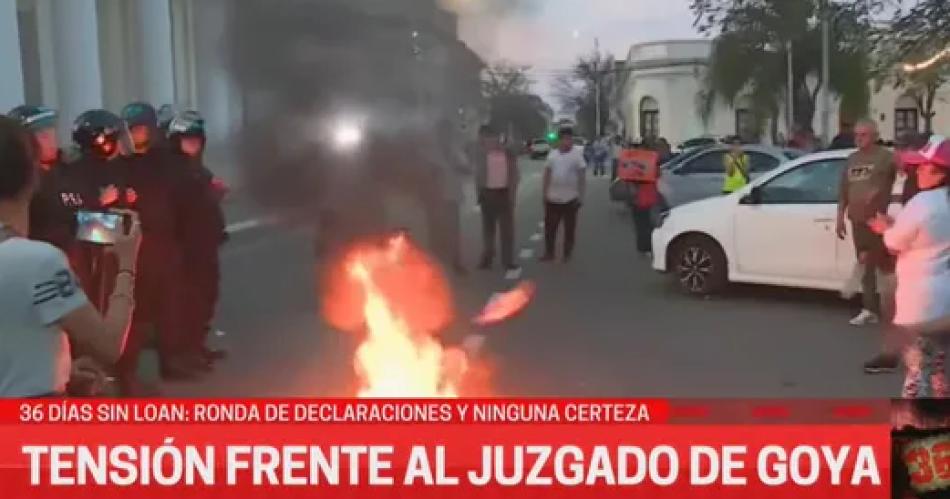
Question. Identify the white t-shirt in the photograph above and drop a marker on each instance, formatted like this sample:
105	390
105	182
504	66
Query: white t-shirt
565	169
37	289
921	238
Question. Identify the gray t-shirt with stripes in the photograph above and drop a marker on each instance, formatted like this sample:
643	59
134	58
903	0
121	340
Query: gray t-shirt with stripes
37	289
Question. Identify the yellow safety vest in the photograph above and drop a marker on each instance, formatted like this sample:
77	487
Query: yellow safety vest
739	168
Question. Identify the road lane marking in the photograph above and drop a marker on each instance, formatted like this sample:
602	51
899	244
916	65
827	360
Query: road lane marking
526	254
244	225
535	237
513	274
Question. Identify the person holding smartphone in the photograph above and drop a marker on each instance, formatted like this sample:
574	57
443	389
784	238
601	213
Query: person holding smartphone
42	306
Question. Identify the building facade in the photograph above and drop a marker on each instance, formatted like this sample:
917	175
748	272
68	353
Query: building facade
662	92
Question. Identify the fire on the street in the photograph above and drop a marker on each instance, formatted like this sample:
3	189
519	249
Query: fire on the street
392	294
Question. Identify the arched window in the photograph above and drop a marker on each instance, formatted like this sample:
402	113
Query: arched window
906	116
649	118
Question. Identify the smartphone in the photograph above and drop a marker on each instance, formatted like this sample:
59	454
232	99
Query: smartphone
100	227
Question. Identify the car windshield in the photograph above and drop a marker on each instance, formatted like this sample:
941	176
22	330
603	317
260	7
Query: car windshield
683	156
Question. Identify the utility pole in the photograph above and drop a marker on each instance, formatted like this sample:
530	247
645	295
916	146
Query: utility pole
597	88
790	91
826	21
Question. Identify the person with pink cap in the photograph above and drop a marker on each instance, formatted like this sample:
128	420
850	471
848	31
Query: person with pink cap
920	238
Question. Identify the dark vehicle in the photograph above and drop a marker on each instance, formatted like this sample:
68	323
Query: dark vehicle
697	142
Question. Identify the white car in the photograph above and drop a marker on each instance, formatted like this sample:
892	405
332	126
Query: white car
539	148
778	230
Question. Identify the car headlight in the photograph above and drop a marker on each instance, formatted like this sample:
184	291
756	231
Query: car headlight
347	137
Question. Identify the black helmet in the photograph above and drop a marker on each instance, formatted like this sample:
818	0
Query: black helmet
188	123
98	132
140	113
35	117
166	114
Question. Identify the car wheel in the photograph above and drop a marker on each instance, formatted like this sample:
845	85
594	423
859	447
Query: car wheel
699	266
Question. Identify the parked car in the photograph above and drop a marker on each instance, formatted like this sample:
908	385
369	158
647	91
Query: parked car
539	148
680	157
778	230
701	174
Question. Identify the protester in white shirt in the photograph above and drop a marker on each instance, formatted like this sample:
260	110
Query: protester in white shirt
920	237
41	304
564	186
496	180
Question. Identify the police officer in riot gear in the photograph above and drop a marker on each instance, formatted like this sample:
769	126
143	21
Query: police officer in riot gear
166	114
162	202
203	232
99	176
52	211
142	120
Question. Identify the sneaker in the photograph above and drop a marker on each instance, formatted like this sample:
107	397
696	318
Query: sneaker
864	318
882	363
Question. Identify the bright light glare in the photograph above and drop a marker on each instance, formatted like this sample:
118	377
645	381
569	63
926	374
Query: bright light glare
347	136
910	68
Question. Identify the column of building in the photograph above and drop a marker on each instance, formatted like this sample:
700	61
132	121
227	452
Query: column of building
11	84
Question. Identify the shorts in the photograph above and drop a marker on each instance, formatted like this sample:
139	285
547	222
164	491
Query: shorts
872	244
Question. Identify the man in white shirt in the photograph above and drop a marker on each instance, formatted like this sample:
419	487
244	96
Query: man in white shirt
496	179
564	186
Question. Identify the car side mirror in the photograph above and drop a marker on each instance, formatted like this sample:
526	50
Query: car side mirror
753	197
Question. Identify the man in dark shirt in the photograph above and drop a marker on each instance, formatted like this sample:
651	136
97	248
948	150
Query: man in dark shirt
866	188
844	139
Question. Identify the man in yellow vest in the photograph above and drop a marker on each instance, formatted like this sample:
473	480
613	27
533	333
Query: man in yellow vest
736	163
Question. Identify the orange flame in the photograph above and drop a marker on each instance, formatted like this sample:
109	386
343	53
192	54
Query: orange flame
394	294
506	305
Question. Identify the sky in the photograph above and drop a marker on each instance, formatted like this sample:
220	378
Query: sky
551	34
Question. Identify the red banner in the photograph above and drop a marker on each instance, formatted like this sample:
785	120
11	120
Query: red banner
423	449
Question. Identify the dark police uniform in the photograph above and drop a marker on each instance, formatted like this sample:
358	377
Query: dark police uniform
202	233
159	197
53	207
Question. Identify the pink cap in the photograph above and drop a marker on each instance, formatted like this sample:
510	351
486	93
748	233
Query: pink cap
937	151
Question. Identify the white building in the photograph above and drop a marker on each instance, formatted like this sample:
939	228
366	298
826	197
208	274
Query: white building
75	55
662	92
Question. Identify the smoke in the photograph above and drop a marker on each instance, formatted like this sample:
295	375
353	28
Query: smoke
479	20
393	68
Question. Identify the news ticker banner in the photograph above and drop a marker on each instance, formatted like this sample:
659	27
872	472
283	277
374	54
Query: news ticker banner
444	448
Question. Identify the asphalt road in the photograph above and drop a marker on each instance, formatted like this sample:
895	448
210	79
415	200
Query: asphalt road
604	324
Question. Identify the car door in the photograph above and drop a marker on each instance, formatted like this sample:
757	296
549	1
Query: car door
787	229
697	178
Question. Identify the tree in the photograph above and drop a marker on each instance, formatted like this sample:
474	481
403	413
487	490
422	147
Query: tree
513	107
505	78
909	54
750	54
577	90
